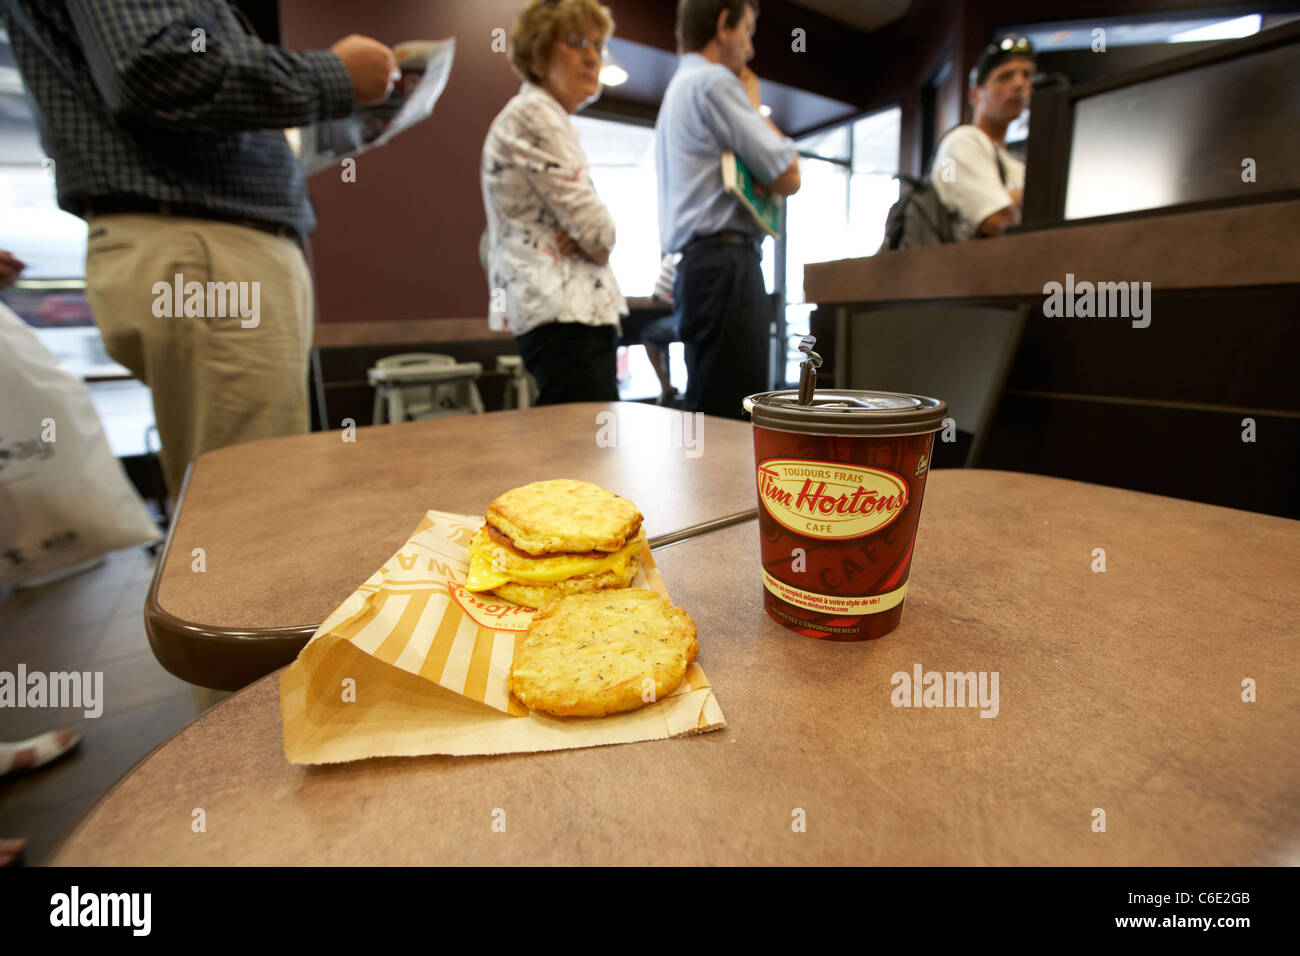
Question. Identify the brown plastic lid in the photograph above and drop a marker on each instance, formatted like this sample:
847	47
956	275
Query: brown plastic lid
843	411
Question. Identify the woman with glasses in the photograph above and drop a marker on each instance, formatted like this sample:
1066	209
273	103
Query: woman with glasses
549	235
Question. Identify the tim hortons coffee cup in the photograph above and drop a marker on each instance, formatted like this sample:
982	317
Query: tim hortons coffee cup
840	482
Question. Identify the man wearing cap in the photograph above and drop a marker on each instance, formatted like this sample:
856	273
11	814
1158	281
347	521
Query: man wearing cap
973	173
711	106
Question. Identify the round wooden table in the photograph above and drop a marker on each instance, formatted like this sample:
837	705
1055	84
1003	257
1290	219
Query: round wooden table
271	536
1120	704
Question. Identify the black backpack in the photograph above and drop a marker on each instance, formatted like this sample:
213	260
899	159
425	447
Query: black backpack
920	218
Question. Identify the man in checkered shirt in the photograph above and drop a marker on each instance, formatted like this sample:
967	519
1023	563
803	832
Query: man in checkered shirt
165	122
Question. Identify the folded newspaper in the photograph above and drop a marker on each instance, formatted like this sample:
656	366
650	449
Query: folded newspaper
425	66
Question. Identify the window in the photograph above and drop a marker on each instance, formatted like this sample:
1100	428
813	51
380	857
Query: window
50	241
1134	31
50	294
848	185
621	156
839	211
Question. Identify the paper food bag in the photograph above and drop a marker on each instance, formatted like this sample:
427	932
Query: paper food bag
412	663
64	497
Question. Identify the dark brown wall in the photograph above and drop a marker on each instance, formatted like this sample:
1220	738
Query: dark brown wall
402	241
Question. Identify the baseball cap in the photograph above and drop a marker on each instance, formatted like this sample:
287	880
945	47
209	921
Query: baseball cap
995	54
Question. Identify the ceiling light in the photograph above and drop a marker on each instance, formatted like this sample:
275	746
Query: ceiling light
611	74
1224	30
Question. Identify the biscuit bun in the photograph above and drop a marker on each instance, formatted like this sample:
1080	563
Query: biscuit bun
562	516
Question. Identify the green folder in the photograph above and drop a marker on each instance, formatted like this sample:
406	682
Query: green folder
738	179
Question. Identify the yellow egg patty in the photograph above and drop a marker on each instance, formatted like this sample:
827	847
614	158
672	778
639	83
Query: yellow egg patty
495	565
588	655
539	595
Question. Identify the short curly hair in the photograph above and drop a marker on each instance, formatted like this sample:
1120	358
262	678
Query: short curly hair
540	25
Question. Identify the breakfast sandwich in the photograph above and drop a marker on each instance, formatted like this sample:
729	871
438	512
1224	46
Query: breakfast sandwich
605	652
552	538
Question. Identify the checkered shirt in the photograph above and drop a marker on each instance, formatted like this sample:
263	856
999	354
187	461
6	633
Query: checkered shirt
134	102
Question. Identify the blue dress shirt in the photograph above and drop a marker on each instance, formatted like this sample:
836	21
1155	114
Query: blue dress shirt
705	112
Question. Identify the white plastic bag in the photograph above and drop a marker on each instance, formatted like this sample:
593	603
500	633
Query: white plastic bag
64	498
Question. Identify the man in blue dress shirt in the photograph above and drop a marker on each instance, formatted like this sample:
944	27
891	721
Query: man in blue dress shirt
712	106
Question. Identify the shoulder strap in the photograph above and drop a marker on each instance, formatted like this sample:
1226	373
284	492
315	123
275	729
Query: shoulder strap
1002	173
997	157
939	142
949	130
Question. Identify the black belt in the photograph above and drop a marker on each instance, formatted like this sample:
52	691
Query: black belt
153	207
727	237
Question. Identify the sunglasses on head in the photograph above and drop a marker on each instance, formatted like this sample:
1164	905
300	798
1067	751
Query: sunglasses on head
1009	45
995	53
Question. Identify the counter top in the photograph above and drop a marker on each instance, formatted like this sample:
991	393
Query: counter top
1252	245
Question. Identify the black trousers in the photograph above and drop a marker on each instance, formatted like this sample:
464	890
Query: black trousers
572	362
724	324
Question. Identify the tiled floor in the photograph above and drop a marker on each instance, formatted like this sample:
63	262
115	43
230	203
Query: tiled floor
91	622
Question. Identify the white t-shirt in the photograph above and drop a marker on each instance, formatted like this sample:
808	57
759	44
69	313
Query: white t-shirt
965	175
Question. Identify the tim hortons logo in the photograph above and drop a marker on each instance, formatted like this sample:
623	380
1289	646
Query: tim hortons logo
499	615
829	499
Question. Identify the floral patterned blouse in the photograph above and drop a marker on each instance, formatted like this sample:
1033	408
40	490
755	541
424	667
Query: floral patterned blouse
535	179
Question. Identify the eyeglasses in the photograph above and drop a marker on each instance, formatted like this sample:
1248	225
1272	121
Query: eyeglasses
576	41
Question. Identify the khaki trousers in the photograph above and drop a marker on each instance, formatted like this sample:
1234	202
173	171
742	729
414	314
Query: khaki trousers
217	379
